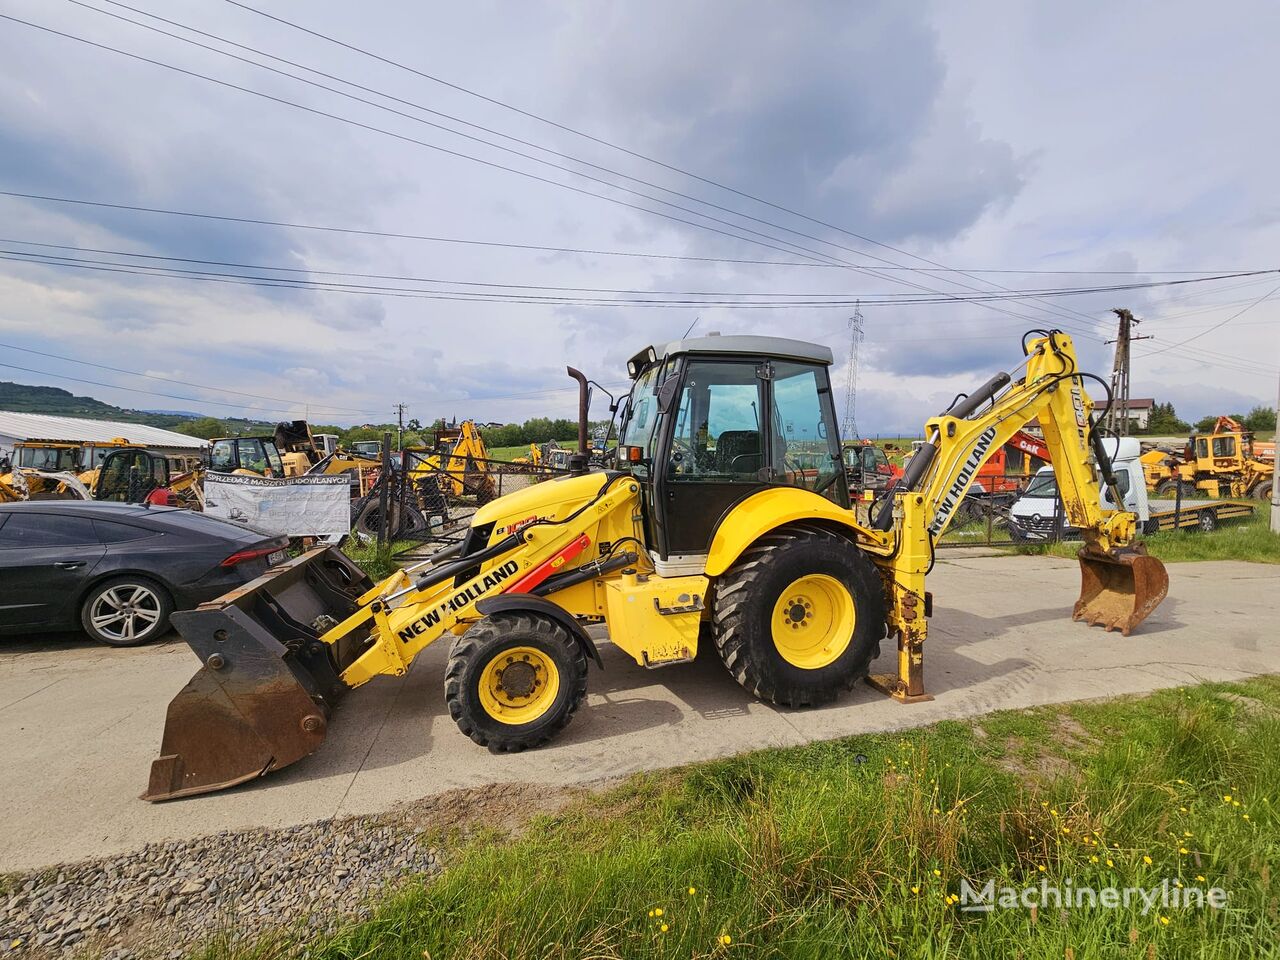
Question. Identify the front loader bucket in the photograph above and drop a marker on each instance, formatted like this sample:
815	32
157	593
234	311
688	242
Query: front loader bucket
1120	591
268	684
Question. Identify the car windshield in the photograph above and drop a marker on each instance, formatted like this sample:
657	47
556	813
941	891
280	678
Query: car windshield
1042	485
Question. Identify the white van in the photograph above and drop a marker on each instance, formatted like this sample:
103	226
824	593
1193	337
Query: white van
1034	514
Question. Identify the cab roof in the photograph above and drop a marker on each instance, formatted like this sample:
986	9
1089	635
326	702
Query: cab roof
779	347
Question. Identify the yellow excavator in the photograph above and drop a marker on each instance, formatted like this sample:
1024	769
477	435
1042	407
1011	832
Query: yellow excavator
726	519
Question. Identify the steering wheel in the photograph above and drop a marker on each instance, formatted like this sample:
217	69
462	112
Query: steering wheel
684	459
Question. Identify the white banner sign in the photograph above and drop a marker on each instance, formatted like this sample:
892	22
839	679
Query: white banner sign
292	507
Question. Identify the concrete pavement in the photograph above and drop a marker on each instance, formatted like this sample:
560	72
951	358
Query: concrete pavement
80	723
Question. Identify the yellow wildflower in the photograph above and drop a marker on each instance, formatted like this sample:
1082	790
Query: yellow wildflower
1094	858
1110	862
657	911
664	928
1183	850
1146	859
692	891
937	873
1165	921
1226	798
1040	867
915	889
726	939
1200	877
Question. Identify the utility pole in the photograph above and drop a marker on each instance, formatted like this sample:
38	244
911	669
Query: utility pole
1117	421
400	426
849	428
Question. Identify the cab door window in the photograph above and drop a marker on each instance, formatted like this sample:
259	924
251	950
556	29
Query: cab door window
1224	446
251	455
717	435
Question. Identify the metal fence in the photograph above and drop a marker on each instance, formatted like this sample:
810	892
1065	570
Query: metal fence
424	501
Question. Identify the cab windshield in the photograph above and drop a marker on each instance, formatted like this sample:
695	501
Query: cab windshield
641	418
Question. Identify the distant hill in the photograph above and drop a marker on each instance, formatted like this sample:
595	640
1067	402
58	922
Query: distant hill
24	398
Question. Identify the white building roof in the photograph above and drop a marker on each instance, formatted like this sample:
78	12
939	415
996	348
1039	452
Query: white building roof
26	426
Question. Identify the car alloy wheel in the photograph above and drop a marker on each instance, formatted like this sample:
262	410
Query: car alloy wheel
126	613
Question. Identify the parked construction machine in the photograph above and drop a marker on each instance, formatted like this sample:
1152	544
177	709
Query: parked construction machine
726	521
1222	463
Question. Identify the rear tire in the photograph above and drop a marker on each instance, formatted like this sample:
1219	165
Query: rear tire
1263	490
1167	489
126	611
514	680
1208	521
809	580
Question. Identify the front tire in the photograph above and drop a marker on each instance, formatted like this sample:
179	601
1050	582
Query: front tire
514	680
799	618
1263	490
126	611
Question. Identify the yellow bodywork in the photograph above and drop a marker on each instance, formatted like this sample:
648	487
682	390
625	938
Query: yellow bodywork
655	619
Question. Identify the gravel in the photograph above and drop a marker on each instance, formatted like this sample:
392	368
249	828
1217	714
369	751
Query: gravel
181	892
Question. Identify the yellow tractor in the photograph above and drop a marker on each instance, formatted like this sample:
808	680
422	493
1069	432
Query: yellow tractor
726	521
1223	463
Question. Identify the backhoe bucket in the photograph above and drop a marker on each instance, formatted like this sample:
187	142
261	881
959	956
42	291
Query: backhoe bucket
263	696
1119	592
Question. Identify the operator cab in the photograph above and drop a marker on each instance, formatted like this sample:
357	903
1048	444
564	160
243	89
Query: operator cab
712	420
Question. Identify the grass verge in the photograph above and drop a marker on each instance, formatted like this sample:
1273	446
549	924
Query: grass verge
377	561
1249	539
856	848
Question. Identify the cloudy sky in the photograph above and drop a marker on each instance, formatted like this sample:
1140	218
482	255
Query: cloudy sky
1132	138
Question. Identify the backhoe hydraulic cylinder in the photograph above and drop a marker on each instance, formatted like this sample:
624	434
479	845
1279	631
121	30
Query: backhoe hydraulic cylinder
911	477
967	406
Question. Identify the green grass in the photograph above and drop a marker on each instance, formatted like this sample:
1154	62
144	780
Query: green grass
1249	539
510	453
851	848
377	561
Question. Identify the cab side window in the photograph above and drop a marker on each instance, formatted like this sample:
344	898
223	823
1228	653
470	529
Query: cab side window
717	430
1224	446
804	443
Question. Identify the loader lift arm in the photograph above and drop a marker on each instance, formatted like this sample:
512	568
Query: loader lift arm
1121	585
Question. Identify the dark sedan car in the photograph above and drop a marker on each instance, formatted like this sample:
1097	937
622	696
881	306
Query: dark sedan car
118	570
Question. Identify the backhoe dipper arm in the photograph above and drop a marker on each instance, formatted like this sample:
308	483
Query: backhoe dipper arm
1121	585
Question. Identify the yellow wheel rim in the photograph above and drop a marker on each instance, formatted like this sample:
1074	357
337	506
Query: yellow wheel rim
813	621
519	685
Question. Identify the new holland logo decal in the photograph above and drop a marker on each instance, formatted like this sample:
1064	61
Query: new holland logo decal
457	601
961	483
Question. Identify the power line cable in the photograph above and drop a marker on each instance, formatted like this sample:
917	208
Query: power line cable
627	297
887	297
433	146
185	383
798	247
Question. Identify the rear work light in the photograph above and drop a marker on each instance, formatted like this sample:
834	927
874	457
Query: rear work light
251	553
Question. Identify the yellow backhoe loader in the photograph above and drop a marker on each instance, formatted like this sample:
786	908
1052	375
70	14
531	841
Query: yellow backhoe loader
1226	462
459	464
727	518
